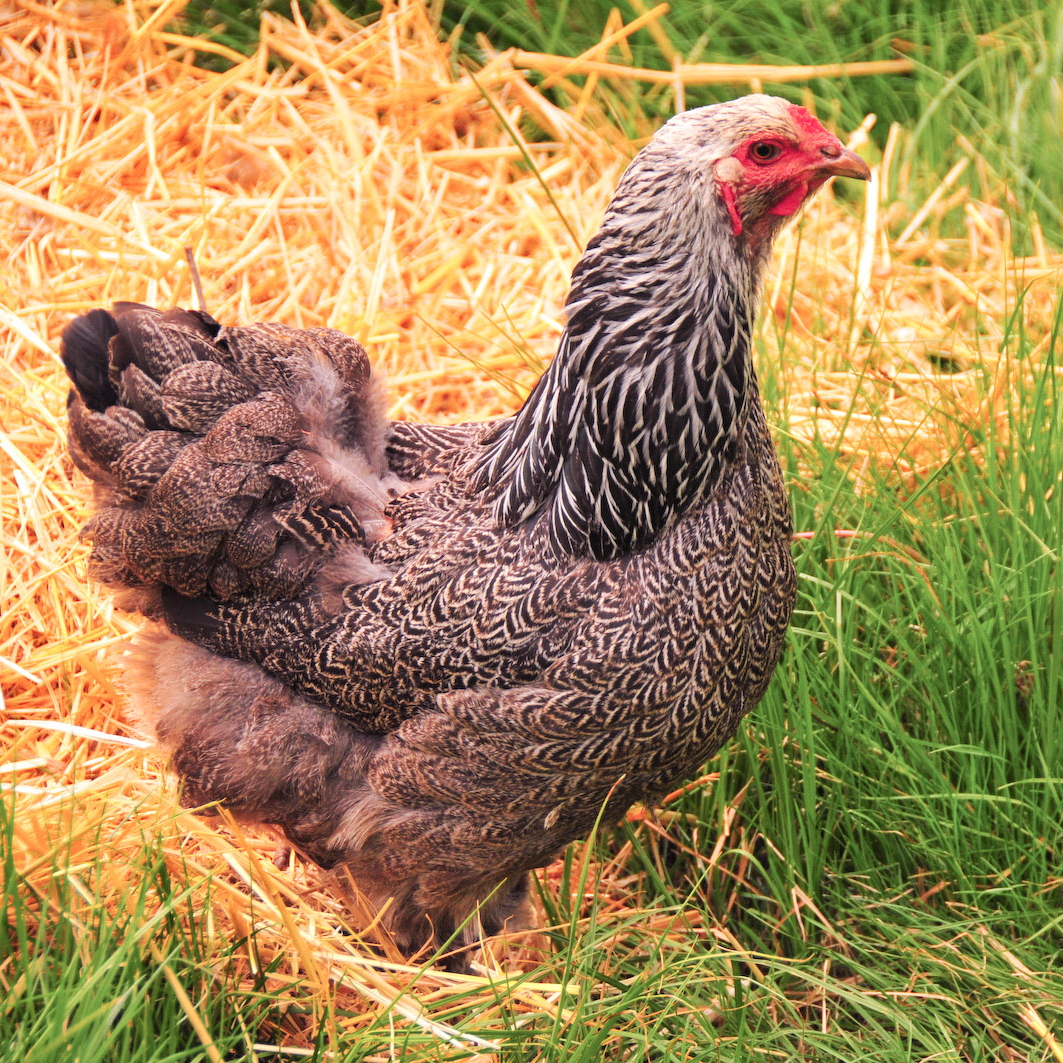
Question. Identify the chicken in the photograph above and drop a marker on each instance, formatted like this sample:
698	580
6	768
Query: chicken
437	654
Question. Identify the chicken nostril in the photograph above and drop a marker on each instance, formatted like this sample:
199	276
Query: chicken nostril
830	151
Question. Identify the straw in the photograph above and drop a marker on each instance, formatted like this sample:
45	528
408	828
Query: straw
704	73
368	183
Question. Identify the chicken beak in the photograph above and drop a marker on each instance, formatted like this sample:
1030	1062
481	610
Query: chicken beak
841	162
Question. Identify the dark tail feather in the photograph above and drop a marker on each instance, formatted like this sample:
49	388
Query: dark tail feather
86	355
233	458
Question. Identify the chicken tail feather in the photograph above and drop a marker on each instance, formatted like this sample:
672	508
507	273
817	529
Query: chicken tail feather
226	459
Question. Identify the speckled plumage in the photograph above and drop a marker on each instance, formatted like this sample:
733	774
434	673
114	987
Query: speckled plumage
435	654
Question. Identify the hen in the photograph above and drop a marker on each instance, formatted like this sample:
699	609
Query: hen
435	654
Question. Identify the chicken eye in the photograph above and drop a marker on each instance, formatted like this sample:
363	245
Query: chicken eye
765	151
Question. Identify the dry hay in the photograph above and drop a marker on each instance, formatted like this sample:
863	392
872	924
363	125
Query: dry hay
365	183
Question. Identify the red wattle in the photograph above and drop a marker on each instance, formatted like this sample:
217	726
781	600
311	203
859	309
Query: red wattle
728	194
791	202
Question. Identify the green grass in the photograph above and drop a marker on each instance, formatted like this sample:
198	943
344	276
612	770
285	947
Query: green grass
988	75
91	975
